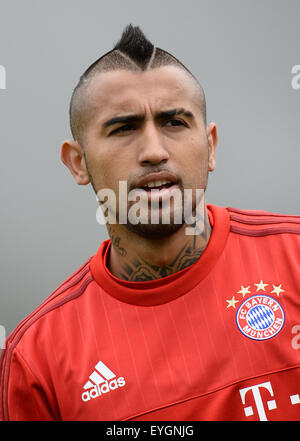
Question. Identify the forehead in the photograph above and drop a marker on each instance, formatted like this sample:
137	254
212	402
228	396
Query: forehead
120	91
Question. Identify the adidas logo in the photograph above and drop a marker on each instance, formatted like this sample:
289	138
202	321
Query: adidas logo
101	381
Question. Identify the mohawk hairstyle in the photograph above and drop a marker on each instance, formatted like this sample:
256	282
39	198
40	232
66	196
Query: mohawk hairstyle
132	52
135	45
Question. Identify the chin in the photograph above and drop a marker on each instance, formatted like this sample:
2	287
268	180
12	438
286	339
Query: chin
154	231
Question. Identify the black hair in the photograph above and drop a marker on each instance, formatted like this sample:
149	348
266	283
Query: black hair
132	52
134	43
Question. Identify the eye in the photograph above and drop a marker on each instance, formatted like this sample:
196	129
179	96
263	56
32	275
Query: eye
123	129
175	123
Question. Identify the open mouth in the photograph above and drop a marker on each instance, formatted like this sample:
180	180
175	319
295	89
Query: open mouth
157	191
158	185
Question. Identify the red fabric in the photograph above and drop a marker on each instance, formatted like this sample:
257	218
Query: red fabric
168	288
172	348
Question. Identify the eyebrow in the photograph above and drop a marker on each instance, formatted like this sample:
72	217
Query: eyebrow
139	117
173	112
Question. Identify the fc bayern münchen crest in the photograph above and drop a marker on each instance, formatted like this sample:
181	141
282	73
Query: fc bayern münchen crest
260	317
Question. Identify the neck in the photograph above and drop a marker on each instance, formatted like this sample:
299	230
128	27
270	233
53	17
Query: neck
137	259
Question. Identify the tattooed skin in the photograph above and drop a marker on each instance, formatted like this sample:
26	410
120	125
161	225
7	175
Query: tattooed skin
115	241
140	270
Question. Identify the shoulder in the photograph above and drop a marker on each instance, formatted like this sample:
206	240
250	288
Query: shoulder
27	349
70	290
262	223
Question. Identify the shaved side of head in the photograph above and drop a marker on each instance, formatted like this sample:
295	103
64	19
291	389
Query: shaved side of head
133	52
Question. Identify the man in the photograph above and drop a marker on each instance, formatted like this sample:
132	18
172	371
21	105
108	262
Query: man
190	311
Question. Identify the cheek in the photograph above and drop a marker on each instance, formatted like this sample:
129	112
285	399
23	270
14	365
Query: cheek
196	165
106	170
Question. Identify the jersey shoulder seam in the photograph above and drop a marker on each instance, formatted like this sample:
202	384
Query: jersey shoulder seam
76	284
262	223
72	282
261	214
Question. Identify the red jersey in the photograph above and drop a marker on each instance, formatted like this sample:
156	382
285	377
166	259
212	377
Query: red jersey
219	340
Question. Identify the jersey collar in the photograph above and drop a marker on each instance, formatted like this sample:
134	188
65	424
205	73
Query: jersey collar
166	289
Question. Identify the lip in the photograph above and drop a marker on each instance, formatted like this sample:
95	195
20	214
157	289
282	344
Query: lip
154	194
160	176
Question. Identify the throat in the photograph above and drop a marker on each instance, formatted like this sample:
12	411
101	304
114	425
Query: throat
140	268
138	259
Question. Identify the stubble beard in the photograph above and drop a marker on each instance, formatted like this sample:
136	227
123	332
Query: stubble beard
161	229
156	231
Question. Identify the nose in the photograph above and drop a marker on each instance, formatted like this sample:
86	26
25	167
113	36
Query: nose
151	147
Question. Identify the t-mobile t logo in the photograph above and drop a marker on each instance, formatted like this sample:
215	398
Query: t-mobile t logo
271	404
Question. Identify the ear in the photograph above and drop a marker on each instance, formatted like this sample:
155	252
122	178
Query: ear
73	157
212	137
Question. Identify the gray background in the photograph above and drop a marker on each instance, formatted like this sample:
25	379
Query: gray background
242	52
